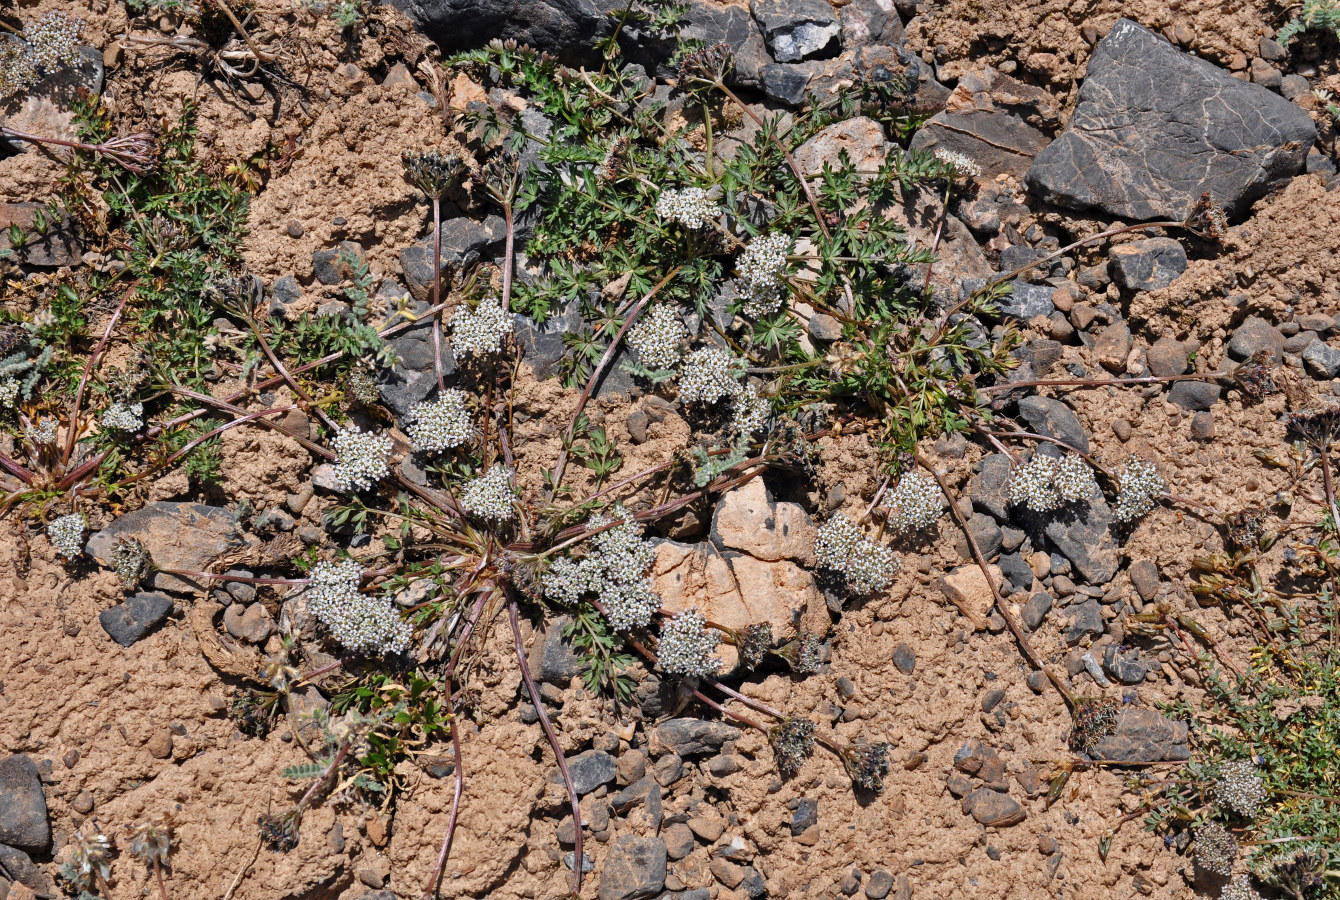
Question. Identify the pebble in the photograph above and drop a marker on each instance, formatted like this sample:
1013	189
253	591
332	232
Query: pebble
804	814
905	658
159	744
1202	426
82	803
678	840
879	885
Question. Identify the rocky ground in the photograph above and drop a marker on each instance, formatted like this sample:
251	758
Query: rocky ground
114	709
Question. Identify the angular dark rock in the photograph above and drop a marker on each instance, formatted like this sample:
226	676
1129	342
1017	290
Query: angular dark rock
23	806
1143	735
133	618
634	869
412	379
1322	361
1148	264
1155	128
879	885
678	840
804	814
1085	619
60	245
869	22
905	658
989	487
23	870
1083	537
692	737
1124	665
1026	301
568	28
1054	419
463	242
785	84
1193	395
589	771
329	265
1253	336
1035	610
987	534
972	756
1016	571
1145	578
797	30
185	536
995	121
551	656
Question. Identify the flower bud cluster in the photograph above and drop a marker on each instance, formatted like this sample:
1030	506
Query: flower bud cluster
708	376
361	458
865	565
690	207
613	572
686	646
490	495
760	271
359	623
1045	483
66	534
480	330
961	165
440	425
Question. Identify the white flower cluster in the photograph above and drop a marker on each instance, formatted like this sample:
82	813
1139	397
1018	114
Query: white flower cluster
9	392
1046	483
914	503
359	623
66	534
361	458
1240	788
656	337
750	412
1139	484
708	375
686	646
121	416
41	432
963	166
614	571
1214	849
1239	888
688	206
440	425
53	40
480	330
844	548
489	496
760	273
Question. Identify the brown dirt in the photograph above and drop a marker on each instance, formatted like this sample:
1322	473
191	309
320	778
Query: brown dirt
98	712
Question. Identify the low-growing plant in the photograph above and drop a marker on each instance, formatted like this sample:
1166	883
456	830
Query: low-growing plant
1313	15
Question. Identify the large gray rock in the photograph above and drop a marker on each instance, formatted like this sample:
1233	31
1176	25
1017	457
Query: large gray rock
132	619
413	378
1084	538
23	806
634	869
1147	265
568	28
1155	128
797	30
706	23
58	245
463	242
183	536
1143	735
692	737
1056	420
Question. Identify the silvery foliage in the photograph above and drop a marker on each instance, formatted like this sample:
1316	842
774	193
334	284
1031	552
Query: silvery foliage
357	622
480	331
361	458
66	534
686	645
613	573
441	424
490	496
865	565
1045	483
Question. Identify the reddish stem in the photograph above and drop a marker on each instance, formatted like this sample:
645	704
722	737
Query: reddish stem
73	431
458	789
437	293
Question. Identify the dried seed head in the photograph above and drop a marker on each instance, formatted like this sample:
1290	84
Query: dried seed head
1319	427
706	66
866	765
1093	721
432	172
792	743
753	643
130	561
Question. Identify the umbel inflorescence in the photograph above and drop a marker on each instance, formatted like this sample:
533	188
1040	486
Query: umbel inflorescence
759	273
613	573
914	503
43	46
686	645
359	623
490	496
691	207
1139	485
361	458
1240	788
865	565
1045	483
122	416
441	424
657	337
66	534
709	375
480	331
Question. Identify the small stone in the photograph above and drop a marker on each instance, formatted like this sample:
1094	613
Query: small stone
1017	572
958	784
824	327
330	268
989	487
1195	396
1166	357
1143	735
1145	578
630	767
588	771
1035	610
993	809
724	764
1054	419
1202	426
1037	681
1124	665
252	623
986	534
708	825
1112	345
159	744
972	756
82	803
678	840
1322	361
1047	844
1297	343
295	230
1317	322
133	619
551	656
804	814
879	885
967	588
796	30
1147	265
71	758
634	868
851	882
691	737
375	872
726	872
1253	336
23	807
1085	619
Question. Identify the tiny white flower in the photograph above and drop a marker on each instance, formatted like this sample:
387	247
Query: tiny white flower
480	331
688	206
66	534
361	458
490	495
